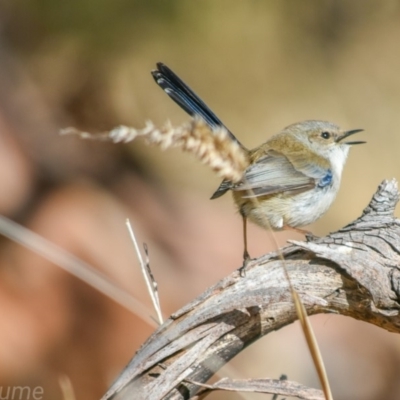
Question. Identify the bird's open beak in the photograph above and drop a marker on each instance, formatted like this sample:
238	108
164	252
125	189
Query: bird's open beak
349	133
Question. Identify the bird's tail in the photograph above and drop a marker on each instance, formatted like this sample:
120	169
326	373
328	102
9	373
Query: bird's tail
186	98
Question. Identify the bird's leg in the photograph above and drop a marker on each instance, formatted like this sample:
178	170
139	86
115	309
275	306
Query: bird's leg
246	255
308	234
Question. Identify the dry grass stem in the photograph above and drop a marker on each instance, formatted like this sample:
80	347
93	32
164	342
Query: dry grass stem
74	266
312	345
66	387
212	147
305	324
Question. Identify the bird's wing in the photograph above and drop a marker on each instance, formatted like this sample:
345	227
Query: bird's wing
186	98
274	173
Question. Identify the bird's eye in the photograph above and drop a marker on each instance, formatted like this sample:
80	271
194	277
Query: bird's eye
325	135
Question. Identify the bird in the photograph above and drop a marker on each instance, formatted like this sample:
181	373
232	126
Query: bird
290	180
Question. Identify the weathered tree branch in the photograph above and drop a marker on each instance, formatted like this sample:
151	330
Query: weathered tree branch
353	272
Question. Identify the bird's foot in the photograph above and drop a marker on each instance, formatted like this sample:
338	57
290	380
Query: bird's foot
308	234
246	260
310	237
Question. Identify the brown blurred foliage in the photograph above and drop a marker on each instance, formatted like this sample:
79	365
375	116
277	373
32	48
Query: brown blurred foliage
260	65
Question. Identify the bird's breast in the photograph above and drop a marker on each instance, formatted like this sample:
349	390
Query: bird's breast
279	210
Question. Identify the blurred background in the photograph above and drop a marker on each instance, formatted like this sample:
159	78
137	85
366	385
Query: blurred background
260	65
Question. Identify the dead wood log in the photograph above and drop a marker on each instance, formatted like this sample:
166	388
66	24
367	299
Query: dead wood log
354	272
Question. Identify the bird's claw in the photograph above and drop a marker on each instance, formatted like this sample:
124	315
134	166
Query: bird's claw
246	260
310	237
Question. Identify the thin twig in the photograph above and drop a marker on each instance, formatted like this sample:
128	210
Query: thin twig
148	276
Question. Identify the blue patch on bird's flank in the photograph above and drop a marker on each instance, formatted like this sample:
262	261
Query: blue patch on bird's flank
326	180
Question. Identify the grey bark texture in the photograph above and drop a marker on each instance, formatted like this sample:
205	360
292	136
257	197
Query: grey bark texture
354	272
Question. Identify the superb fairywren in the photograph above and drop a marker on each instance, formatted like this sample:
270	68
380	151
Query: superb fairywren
291	179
